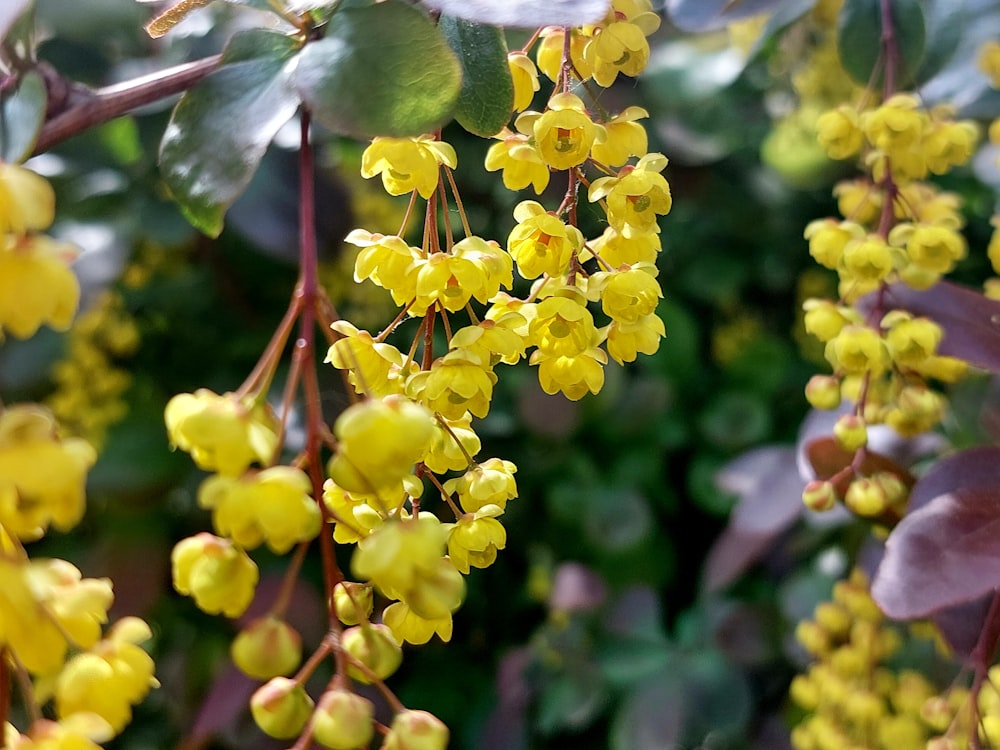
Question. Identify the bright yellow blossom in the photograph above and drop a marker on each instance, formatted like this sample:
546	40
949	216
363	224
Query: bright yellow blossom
407	164
219	576
628	294
541	242
636	196
563	326
455	383
564	133
525	77
857	349
520	161
376	368
490	482
398	553
410	627
550	52
474	540
379	441
42	477
624	138
27	202
617	250
839	132
37	286
272	506
574	375
626	340
221	433
989	62
620	47
492	341
388	261
828	238
452	446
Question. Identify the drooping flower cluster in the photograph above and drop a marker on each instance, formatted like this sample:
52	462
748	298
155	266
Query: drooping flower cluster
51	617
411	427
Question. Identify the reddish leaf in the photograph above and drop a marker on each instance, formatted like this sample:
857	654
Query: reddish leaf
971	321
975	468
770	501
945	553
961	625
828	459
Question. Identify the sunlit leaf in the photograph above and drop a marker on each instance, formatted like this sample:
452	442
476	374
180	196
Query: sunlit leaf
526	13
487	98
381	70
221	128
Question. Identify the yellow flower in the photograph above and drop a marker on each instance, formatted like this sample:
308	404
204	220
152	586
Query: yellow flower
624	138
541	243
857	349
839	133
867	259
563	326
950	144
221	433
410	627
273	506
858	200
446	279
218	575
491	341
626	340
564	133
932	248
550	52
400	552
456	383
42	478
636	196
620	47
110	678
618	250
828	238
27	202
474	540
446	451
496	267
36	285
525	76
388	261
376	368
78	605
989	62
520	161
628	294
490	482
407	164
574	375
379	441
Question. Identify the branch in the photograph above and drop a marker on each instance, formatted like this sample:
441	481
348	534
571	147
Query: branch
86	109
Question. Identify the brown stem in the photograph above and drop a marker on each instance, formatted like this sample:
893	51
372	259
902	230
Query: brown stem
981	657
890	49
98	107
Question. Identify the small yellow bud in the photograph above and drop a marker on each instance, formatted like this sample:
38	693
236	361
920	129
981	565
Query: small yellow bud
343	720
281	707
823	392
266	648
851	432
866	498
819	496
352	602
373	646
416	730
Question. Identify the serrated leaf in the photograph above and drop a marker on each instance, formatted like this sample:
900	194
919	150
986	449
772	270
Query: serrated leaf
487	97
707	15
529	14
22	114
859	39
381	70
221	128
945	553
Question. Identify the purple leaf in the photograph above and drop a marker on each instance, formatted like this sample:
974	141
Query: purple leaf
971	321
961	625
226	701
770	501
525	13
945	553
975	468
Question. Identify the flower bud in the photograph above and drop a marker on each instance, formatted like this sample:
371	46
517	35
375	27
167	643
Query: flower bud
375	647
819	495
823	392
281	707
266	648
352	602
343	720
866	498
416	730
851	432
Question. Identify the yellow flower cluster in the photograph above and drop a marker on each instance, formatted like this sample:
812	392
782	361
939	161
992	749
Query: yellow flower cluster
90	387
856	694
51	617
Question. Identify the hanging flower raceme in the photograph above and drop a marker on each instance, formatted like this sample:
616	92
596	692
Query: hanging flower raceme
541	242
564	133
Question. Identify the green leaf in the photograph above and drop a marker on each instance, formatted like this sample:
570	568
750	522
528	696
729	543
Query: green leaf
22	114
860	39
221	128
382	70
487	96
